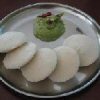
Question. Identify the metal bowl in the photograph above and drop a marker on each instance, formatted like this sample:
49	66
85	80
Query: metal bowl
75	22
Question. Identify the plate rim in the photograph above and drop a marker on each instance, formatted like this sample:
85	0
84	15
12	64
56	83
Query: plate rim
86	84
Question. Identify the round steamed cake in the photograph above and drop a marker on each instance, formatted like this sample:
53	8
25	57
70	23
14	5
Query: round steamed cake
86	47
67	66
11	40
41	66
20	56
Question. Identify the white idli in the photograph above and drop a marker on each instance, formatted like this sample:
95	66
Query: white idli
86	47
41	66
11	40
20	56
67	66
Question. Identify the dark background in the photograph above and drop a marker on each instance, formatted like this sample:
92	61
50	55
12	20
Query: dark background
91	7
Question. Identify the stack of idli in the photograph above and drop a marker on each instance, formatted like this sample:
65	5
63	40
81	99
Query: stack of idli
59	64
77	50
19	52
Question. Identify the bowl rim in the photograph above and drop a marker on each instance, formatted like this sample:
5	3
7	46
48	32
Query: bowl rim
86	84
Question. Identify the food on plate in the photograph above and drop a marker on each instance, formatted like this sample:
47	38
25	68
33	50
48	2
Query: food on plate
11	40
20	56
86	48
67	66
49	27
59	64
41	66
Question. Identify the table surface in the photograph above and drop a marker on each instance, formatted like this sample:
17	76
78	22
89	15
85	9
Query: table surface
92	8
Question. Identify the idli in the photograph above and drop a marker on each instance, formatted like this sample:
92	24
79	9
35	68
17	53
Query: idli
20	56
67	66
86	47
41	66
11	40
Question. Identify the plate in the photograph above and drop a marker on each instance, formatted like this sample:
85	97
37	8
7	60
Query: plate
75	22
